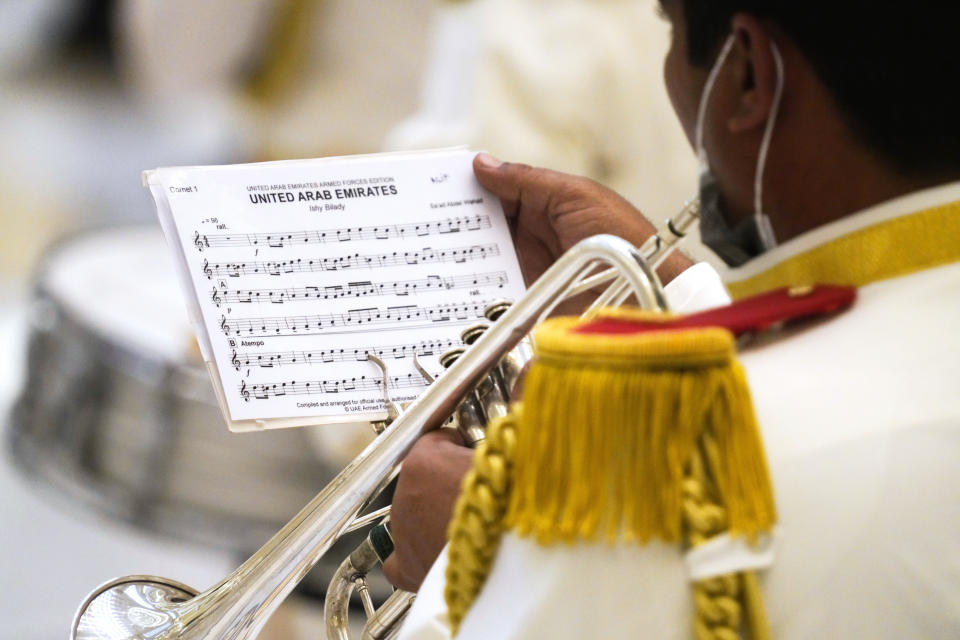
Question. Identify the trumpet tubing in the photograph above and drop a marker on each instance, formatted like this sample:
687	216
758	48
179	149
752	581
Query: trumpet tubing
486	373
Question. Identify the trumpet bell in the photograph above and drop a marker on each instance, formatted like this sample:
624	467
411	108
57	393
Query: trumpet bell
131	607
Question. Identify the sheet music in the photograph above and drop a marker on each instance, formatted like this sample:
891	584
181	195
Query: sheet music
301	269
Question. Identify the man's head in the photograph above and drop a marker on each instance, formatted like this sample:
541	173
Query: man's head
868	85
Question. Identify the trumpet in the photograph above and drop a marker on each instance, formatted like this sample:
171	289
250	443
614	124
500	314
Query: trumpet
238	606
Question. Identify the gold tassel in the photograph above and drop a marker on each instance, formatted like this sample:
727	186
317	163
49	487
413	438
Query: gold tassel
609	428
622	438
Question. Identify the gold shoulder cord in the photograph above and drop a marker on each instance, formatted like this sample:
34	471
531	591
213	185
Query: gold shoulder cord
478	521
719	603
677	402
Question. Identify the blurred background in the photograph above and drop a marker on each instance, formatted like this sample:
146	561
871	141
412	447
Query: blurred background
116	460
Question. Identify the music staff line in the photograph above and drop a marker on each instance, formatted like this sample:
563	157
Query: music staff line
269	360
315	387
410	316
427	255
280	239
362	289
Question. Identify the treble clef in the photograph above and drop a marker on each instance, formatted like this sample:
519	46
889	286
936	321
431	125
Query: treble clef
197	241
216	299
235	360
207	271
243	392
224	326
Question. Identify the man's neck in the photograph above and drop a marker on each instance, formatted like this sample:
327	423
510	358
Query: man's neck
833	199
835	182
819	170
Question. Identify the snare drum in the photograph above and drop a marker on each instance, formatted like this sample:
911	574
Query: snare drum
118	413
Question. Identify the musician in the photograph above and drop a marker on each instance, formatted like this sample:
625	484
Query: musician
830	153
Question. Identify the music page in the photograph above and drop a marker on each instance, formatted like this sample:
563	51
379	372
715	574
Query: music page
300	269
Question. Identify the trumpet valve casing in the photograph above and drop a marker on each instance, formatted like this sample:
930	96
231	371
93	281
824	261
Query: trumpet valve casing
490	392
471	421
514	363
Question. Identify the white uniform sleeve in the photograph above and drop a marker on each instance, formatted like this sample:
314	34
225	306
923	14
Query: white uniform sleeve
696	289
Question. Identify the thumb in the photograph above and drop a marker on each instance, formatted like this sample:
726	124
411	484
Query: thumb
517	185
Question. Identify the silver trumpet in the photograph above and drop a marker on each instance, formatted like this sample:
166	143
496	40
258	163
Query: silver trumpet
238	606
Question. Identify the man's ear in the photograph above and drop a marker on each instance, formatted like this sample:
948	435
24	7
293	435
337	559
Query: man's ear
757	73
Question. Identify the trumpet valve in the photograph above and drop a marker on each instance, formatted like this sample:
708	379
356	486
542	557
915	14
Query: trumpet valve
470	417
514	363
495	310
472	333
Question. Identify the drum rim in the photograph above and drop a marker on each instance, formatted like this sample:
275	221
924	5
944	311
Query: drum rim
89	496
146	366
40	288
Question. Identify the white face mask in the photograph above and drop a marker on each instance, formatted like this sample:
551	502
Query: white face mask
750	237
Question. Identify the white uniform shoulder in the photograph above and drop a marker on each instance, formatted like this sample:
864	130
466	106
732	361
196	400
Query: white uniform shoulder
861	418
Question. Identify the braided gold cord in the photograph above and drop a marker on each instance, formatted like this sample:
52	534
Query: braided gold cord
622	455
478	525
478	521
719	602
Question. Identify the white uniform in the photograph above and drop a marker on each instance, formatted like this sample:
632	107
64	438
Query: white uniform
357	78
860	416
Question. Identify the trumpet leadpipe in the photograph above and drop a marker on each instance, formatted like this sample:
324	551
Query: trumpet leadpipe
654	251
658	246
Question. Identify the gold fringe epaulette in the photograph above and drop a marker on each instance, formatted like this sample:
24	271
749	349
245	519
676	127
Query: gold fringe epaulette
619	439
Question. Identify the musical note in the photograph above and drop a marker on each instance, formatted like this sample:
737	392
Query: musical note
354	320
271	359
289	238
264	391
361	289
427	255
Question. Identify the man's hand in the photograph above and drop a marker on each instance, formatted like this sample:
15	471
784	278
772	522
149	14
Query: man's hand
549	212
423	502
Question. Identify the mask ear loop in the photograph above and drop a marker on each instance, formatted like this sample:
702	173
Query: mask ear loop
705	97
764	228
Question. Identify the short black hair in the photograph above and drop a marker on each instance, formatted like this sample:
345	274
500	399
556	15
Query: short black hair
892	67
